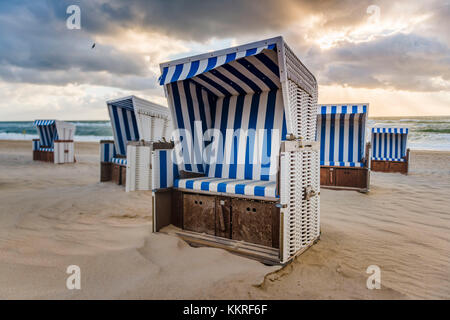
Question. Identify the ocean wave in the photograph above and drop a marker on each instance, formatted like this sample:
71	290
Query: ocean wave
425	133
446	130
18	136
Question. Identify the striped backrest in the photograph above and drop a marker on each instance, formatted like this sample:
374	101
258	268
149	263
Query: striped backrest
389	143
239	95
47	132
107	151
341	134
124	125
164	171
36	144
191	104
252	126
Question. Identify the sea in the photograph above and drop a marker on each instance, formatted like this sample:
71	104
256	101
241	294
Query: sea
426	133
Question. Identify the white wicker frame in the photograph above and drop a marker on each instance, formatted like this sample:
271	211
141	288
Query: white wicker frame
139	172
299	159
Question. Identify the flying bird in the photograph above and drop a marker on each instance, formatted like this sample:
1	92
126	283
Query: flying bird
93	46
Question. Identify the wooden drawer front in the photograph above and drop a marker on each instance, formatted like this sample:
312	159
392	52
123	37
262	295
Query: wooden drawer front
223	217
255	222
356	178
105	171
123	175
327	177
115	173
379	165
199	213
398	167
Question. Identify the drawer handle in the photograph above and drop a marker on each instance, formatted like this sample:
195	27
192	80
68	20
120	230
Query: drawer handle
222	219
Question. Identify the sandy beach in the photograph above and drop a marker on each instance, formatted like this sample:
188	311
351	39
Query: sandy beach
53	216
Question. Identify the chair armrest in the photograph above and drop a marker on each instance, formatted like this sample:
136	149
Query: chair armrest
107	150
164	170
36	144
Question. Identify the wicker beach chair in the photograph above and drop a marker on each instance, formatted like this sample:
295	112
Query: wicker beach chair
344	154
244	172
132	119
55	143
389	151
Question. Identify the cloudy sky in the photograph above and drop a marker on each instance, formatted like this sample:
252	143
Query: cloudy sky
393	54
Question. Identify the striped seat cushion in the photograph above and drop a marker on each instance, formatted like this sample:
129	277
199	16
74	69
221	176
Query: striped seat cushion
342	164
46	149
388	159
229	186
121	161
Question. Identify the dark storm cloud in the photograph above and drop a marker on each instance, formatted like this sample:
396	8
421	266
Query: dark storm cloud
405	62
200	20
188	20
36	47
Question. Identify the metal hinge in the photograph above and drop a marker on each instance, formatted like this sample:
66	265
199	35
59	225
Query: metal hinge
309	193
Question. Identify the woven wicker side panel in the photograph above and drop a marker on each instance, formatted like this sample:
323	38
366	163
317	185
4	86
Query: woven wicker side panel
303	214
297	72
303	112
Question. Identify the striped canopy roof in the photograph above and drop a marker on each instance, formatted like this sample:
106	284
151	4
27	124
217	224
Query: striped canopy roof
125	103
47	132
342	109
390	130
123	122
44	122
182	71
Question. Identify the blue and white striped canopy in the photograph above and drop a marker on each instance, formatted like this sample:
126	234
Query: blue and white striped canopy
341	133
390	130
190	69
124	124
233	92
44	122
342	109
389	144
47	132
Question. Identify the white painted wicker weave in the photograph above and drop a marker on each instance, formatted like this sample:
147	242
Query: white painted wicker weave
139	172
299	165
